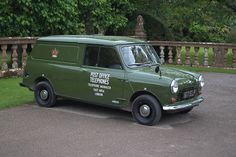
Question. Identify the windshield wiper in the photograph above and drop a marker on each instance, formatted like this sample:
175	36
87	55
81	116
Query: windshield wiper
137	64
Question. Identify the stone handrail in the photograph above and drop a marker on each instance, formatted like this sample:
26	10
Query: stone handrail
14	47
220	52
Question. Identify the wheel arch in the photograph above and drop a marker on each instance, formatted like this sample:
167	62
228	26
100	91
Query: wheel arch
138	93
40	79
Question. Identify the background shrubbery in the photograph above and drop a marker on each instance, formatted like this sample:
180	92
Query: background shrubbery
182	20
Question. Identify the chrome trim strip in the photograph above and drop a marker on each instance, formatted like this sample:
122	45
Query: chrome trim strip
183	106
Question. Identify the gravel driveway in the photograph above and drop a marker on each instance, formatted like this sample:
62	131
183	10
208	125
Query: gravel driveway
73	129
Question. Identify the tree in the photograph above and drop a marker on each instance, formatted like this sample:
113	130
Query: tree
189	20
37	18
231	4
192	20
197	20
100	15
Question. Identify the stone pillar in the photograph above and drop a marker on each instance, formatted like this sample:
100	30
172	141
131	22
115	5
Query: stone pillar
139	29
24	55
4	57
178	49
234	57
205	61
187	61
218	57
14	57
196	51
170	55
162	54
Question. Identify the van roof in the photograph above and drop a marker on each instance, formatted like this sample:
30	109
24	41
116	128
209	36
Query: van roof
92	39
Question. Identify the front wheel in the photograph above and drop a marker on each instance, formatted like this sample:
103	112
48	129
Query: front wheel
146	110
44	94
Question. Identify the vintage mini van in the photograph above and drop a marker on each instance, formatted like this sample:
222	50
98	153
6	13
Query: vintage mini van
119	72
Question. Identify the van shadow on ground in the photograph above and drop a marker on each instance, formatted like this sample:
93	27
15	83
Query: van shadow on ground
95	111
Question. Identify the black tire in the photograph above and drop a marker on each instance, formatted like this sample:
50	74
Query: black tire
186	111
44	101
155	113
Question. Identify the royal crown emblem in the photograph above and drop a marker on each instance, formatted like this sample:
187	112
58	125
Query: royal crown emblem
55	53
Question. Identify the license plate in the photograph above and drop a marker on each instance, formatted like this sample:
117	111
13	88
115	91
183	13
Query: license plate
189	94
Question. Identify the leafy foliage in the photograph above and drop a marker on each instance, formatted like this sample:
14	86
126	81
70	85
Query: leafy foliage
232	36
36	17
230	4
104	14
188	20
197	20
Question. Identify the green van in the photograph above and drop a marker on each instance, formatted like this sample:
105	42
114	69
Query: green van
118	72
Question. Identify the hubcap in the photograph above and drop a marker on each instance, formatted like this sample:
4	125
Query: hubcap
144	110
43	94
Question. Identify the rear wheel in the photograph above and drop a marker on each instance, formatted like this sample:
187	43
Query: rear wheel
146	110
44	94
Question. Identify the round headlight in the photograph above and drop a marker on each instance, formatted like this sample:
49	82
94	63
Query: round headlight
174	87
201	81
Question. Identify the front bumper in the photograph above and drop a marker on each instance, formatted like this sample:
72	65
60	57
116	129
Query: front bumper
183	105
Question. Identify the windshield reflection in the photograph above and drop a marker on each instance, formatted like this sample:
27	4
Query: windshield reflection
139	55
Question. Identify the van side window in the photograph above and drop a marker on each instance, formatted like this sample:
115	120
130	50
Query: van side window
108	58
91	56
102	57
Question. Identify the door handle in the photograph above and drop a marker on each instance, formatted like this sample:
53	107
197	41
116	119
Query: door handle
124	80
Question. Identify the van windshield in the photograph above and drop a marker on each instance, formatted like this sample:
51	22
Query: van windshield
139	55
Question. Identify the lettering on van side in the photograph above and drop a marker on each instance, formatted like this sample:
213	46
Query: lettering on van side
99	83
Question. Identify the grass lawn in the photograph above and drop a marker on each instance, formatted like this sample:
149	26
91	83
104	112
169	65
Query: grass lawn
12	94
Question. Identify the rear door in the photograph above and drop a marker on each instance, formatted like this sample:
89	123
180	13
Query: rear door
58	63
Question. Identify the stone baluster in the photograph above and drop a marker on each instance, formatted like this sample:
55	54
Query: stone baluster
24	55
170	55
196	52
178	49
162	54
234	57
14	57
205	60
4	57
187	61
214	56
225	56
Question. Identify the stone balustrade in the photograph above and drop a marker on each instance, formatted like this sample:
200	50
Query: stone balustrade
187	53
13	54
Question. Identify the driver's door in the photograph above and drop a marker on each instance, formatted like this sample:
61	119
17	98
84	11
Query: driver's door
104	76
